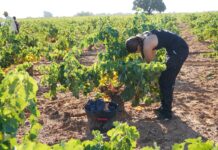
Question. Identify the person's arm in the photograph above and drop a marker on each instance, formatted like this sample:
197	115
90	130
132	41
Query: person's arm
149	44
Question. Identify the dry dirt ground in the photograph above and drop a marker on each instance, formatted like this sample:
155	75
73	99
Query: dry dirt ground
195	106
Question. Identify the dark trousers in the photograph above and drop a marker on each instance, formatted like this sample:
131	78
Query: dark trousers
167	80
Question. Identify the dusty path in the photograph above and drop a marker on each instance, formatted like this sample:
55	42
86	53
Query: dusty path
196	92
195	106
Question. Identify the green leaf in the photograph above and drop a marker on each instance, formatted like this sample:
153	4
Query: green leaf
28	145
180	146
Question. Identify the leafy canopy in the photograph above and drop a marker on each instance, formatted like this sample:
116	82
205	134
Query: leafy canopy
149	5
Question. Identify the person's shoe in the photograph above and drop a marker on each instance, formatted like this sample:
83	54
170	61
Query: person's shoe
164	116
158	110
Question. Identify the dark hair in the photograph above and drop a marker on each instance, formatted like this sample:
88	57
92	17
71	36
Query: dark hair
132	44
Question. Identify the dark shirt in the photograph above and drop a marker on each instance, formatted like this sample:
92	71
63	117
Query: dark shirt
173	43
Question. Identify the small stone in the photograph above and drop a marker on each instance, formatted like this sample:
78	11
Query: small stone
27	123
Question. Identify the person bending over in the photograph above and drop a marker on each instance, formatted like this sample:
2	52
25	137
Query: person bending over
177	50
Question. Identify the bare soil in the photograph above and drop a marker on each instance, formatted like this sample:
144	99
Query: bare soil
195	106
